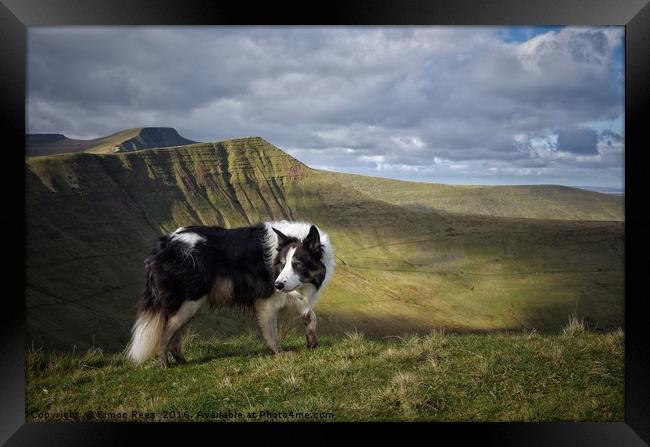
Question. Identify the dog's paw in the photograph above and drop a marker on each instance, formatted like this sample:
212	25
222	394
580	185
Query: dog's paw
310	337
180	360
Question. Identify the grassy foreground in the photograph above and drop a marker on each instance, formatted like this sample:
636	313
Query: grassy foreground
575	375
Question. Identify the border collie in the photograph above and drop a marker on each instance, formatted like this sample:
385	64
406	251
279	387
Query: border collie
265	267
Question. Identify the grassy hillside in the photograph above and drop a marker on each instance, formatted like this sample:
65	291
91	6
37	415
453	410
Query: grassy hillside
572	376
91	220
535	202
123	141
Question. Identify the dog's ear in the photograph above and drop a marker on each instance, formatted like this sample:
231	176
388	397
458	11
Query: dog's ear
283	239
312	243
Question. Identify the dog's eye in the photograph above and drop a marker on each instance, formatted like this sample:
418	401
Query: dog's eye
297	264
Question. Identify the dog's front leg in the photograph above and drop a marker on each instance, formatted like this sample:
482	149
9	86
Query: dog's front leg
267	317
310	334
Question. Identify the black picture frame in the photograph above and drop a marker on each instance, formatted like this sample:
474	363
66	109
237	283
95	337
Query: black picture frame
16	15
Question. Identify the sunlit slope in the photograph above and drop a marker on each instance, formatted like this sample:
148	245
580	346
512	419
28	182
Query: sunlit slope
401	267
123	141
534	201
92	219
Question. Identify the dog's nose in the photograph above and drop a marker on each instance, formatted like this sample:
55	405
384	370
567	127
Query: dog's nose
279	285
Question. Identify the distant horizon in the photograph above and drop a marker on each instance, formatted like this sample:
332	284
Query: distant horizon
606	189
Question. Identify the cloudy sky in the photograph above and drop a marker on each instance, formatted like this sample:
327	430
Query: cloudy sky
443	104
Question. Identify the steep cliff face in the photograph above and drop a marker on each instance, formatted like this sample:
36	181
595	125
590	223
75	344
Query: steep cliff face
92	219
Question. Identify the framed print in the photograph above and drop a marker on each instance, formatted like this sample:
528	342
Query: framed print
426	216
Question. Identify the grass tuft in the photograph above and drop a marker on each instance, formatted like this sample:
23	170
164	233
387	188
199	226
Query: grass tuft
355	335
574	327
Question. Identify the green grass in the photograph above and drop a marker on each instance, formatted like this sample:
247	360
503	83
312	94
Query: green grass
527	201
574	375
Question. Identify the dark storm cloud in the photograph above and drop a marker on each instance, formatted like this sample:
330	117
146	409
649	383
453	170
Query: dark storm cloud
579	140
403	101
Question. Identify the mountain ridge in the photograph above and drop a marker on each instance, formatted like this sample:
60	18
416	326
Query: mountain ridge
127	140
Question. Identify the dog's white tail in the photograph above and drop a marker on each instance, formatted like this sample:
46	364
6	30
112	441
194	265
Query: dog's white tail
146	336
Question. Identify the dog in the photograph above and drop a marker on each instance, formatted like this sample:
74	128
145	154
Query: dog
264	267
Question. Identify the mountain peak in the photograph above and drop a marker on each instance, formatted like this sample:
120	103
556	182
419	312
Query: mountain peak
149	137
123	141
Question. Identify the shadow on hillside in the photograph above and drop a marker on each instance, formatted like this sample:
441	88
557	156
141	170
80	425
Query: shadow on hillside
384	327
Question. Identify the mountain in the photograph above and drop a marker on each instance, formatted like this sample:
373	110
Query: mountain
123	141
402	266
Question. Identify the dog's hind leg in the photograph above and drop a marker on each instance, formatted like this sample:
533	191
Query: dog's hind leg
176	346
174	328
267	317
176	343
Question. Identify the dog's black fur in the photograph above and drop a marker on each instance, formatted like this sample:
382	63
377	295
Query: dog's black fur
173	276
